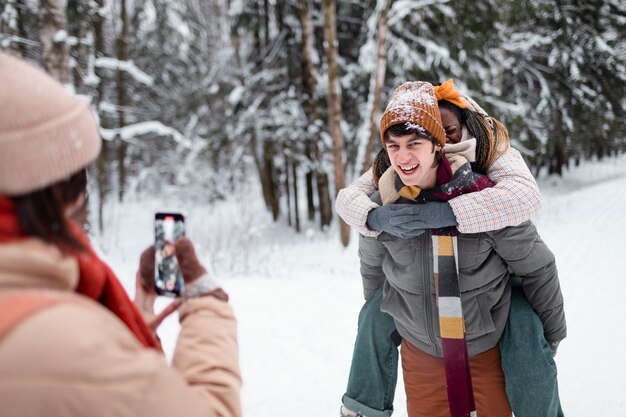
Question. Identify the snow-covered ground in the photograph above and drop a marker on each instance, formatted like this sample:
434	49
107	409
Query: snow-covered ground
297	296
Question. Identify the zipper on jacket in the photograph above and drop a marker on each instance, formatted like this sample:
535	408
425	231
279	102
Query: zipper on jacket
427	274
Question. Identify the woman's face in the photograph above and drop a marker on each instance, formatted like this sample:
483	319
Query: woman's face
451	125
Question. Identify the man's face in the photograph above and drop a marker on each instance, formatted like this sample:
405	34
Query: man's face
451	125
412	157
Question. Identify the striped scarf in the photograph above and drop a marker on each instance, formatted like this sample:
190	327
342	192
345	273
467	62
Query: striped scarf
451	182
452	325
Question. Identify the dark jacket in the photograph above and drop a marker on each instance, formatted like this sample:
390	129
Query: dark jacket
486	260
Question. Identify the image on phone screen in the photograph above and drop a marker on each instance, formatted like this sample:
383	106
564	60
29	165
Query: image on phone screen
168	227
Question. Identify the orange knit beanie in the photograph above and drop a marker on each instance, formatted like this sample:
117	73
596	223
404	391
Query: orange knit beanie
46	133
414	104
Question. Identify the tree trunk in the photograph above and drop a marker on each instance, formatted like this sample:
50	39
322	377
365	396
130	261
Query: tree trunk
235	43
102	162
101	182
323	193
81	59
381	67
279	10
557	159
53	35
334	105
288	190
309	72
82	52
256	30
311	106
557	156
99	49
268	167
122	98
309	81
266	22
263	156
310	195
294	179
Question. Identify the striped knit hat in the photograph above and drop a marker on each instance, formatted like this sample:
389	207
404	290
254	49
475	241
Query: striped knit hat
46	133
414	104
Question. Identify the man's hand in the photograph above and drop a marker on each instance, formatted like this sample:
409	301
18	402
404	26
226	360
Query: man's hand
410	220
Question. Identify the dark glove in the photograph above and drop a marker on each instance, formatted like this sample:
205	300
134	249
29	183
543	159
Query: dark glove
410	220
188	262
554	346
146	268
198	282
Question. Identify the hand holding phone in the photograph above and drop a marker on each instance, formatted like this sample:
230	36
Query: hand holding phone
168	279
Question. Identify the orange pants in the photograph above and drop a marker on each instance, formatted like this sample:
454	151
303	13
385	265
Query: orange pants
425	384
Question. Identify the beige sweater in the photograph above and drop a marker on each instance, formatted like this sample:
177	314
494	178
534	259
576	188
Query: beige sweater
78	359
512	201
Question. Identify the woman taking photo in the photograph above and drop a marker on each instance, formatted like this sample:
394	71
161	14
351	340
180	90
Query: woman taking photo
71	341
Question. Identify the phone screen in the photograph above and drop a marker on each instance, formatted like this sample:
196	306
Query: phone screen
168	227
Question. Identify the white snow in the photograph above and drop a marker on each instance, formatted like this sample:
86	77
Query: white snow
235	96
128	66
297	296
59	36
154	126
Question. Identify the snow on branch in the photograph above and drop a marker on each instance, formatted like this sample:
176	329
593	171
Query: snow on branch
403	8
127	133
128	66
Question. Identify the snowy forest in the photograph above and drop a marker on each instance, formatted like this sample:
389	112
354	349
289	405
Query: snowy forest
197	97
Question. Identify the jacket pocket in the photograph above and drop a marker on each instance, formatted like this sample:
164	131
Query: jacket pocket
475	264
408	264
408	311
477	316
473	250
401	251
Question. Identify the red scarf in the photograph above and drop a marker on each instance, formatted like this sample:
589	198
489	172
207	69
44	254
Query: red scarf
97	280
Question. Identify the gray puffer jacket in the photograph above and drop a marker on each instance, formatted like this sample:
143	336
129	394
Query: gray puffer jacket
486	261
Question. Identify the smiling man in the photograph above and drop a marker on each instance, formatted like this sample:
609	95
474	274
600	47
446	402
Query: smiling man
448	293
413	156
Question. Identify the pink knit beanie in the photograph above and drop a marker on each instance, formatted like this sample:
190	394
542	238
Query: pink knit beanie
46	133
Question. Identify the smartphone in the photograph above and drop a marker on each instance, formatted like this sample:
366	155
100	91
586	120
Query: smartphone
168	280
